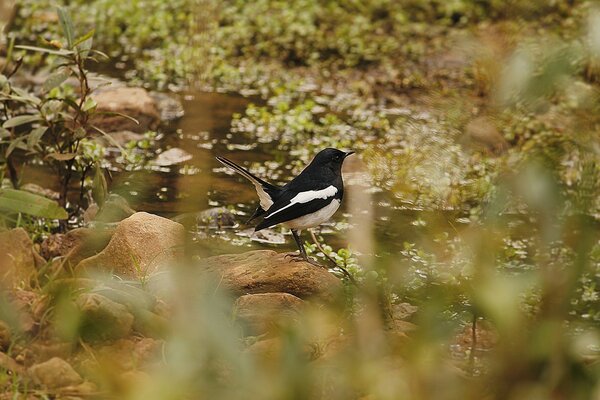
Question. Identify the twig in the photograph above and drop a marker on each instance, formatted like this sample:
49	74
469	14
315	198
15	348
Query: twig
344	270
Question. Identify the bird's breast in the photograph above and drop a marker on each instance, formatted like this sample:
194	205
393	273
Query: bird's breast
316	218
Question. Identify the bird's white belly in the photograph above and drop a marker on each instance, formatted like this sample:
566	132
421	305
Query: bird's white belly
316	218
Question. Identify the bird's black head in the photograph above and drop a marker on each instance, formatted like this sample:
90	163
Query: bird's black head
331	158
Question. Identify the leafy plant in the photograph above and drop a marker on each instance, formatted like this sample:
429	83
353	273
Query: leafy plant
53	126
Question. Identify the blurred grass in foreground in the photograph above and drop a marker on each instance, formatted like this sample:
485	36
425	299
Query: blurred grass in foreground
524	274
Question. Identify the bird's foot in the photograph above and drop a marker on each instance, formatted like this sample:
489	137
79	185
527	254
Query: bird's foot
297	257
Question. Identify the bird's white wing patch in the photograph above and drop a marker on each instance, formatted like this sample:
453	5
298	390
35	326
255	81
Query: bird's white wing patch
264	199
305	197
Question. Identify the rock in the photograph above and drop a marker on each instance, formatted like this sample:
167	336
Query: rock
114	209
90	213
37	189
265	271
44	351
18	260
263	311
120	137
216	217
129	354
7	363
140	245
5	335
133	102
102	318
482	132
54	373
171	157
24	302
169	108
403	310
263	236
76	245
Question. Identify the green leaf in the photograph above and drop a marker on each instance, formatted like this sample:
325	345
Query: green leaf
99	186
24	96
85	47
84	38
58	52
4	133
66	25
20	201
21	120
89	104
35	136
56	79
14	144
79	133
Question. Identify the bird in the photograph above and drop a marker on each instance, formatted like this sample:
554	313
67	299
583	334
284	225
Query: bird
307	201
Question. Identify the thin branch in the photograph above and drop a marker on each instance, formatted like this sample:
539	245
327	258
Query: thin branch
322	250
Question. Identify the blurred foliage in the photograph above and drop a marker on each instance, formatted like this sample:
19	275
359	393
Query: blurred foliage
494	154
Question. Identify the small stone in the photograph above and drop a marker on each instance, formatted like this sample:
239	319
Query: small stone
102	318
403	310
140	246
133	102
54	373
172	157
129	354
216	217
46	350
9	364
169	108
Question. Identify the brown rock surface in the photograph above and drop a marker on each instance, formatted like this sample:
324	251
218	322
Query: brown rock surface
54	373
7	363
139	246
266	271
18	260
262	311
134	102
76	245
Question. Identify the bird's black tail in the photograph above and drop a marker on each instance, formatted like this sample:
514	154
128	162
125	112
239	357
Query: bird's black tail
267	192
246	174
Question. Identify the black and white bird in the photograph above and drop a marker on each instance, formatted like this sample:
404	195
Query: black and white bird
307	201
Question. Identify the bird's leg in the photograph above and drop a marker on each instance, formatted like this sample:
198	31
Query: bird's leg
302	256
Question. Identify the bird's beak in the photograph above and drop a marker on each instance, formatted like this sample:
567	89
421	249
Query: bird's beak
348	154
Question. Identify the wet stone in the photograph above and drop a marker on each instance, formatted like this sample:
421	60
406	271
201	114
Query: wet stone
173	156
54	373
169	107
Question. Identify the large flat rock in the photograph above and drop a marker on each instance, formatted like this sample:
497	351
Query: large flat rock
141	245
266	271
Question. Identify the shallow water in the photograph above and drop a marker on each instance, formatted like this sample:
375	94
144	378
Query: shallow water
202	183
